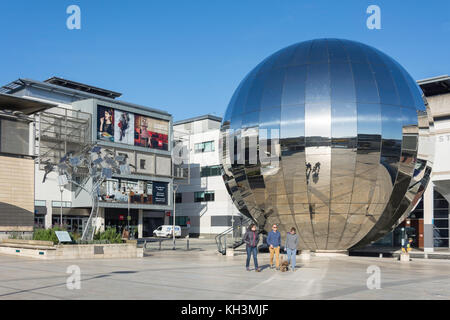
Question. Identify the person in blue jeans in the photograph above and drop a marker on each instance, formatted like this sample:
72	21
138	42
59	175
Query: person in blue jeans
251	239
290	247
274	242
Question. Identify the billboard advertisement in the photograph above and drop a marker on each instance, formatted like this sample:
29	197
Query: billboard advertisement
123	127
132	129
105	123
151	133
134	191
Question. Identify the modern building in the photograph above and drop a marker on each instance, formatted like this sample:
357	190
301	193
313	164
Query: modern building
17	169
204	202
82	115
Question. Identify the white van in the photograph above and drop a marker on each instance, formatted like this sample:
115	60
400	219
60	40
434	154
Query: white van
166	231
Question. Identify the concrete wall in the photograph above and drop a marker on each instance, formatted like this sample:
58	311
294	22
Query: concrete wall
16	194
73	252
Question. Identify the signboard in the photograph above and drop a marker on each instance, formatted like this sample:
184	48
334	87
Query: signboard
105	123
132	129
121	217
159	192
63	236
123	127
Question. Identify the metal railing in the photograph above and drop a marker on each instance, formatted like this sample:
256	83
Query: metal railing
237	238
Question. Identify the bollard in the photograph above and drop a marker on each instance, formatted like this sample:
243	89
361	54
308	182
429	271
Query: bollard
187	242
160	244
404	257
380	256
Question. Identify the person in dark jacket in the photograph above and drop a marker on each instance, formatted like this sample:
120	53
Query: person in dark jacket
290	247
274	242
251	239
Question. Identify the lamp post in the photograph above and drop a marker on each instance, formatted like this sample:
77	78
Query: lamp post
128	214
175	187
61	190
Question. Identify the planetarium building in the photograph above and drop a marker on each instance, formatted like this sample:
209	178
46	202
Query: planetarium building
327	136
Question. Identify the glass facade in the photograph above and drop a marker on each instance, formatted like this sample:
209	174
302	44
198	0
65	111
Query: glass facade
204	147
440	221
211	171
340	120
134	191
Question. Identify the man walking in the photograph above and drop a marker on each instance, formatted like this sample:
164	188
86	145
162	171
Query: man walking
274	241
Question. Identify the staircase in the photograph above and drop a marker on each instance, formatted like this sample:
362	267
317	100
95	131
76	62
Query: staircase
222	240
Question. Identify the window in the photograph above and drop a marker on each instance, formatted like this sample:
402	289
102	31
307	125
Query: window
178	198
142	164
40	203
204	147
204	196
440	221
211	171
179	221
65	204
221	221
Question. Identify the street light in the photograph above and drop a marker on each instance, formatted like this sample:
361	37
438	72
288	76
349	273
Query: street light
175	188
62	182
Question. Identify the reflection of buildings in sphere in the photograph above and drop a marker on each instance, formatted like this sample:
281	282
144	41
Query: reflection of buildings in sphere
342	109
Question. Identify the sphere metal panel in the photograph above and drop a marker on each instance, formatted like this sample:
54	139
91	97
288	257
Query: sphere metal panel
341	119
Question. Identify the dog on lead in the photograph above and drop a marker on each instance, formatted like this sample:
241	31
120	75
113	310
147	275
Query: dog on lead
284	265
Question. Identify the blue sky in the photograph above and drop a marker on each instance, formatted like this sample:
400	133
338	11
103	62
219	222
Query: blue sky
188	57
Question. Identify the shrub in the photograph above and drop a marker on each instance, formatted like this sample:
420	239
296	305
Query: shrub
47	234
110	235
15	235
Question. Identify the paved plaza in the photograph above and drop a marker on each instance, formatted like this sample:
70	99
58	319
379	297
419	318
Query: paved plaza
203	274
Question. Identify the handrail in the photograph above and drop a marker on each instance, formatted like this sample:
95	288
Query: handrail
221	237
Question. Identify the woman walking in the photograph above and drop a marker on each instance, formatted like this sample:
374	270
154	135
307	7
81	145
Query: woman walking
291	247
251	239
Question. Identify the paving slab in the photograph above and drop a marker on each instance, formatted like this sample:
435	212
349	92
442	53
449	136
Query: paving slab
205	275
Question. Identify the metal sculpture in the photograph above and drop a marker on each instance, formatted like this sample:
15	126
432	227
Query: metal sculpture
96	168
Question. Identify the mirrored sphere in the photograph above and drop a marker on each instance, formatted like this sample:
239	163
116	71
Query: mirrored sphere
327	136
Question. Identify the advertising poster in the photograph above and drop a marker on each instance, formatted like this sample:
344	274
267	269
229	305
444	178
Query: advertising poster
159	193
105	123
151	133
123	127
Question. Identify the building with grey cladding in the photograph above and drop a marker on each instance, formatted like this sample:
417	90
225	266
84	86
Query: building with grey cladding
82	114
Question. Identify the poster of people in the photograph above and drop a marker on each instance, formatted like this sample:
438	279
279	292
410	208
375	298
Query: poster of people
151	133
105	123
132	129
124	127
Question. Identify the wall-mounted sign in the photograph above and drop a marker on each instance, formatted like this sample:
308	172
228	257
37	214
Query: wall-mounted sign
159	192
135	191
